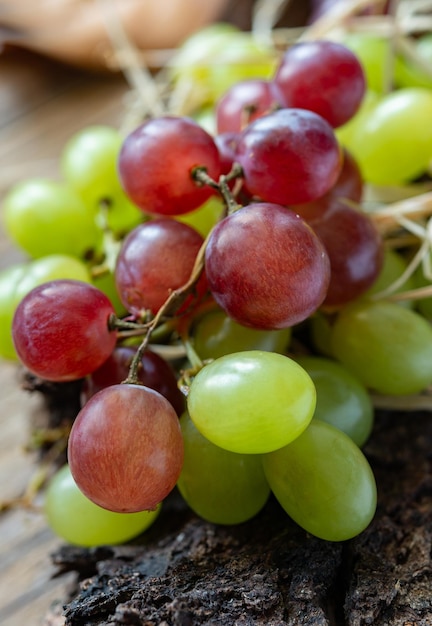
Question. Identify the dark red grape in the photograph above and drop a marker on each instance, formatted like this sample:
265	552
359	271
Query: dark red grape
60	330
157	160
265	267
322	76
289	156
244	102
349	186
354	247
125	448
153	372
156	258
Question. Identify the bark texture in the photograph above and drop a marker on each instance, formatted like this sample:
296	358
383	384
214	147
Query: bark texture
186	572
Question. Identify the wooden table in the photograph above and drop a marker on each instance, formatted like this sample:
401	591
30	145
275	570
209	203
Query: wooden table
41	105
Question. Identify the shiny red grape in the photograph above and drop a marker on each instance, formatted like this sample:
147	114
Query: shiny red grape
153	371
156	258
226	144
289	156
322	76
156	164
244	102
60	330
266	268
125	448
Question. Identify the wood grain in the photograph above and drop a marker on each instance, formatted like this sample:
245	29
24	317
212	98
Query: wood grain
41	105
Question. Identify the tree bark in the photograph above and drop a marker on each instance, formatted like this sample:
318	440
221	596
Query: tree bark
187	572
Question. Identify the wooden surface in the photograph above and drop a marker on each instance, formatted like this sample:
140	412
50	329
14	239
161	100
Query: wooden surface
41	105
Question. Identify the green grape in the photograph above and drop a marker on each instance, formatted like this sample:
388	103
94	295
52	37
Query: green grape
251	402
51	267
411	74
9	279
375	55
76	519
394	145
324	482
204	217
220	486
423	305
394	265
342	400
218	56
388	347
205	116
105	281
46	217
216	334
347	133
17	281
89	164
320	327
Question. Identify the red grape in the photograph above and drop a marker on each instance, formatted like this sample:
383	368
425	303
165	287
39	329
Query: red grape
126	449
265	267
244	102
322	76
153	372
60	330
349	185
354	247
157	160
226	144
289	156
156	258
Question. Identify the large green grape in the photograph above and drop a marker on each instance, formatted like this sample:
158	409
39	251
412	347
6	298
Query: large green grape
388	347
216	334
251	402
324	482
218	56
342	400
47	217
394	144
76	519
220	486
89	164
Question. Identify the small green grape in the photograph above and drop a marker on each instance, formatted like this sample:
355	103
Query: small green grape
388	347
216	334
324	482
76	519
251	402
342	400
222	487
204	217
46	217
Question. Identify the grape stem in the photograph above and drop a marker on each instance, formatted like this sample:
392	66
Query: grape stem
174	300
200	176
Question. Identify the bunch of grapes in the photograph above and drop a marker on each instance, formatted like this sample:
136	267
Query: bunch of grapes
225	252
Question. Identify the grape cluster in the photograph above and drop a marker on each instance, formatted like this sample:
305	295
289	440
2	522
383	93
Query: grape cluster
219	251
